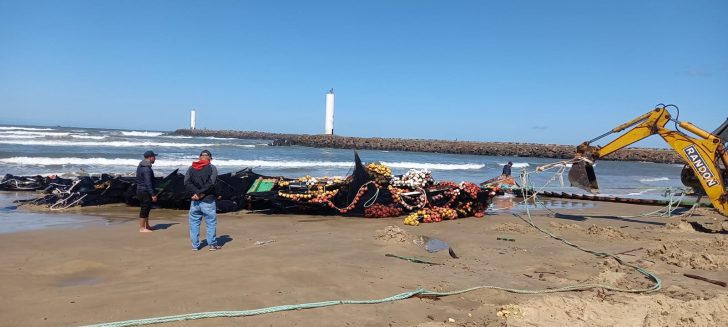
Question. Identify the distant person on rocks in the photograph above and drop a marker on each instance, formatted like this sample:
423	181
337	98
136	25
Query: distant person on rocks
507	169
200	182
145	190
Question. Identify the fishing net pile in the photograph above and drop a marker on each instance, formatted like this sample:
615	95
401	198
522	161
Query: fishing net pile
372	191
62	193
369	191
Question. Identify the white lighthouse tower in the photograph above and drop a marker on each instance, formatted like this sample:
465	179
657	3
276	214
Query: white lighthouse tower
192	120
329	112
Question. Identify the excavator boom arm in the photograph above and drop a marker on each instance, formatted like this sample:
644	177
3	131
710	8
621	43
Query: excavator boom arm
650	123
700	154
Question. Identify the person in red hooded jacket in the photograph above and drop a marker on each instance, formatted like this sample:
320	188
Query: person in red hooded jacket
200	183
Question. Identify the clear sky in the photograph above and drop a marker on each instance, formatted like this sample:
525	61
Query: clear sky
522	71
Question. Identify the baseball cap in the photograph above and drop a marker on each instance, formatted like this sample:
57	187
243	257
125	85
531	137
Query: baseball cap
205	153
150	154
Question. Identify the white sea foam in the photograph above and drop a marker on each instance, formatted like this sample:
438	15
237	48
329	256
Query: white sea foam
569	165
39	134
88	137
654	179
117	144
434	166
35	135
641	192
135	133
163	162
516	164
177	137
25	128
20	136
218	138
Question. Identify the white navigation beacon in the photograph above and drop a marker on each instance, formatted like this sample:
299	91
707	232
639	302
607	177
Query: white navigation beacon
329	112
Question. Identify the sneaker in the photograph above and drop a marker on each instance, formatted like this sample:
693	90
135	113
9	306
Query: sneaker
215	247
196	249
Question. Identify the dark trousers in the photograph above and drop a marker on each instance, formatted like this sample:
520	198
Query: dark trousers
145	202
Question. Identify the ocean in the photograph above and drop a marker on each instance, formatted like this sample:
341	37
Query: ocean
71	151
74	151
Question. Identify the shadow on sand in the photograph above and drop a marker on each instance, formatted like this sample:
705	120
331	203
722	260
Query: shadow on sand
163	226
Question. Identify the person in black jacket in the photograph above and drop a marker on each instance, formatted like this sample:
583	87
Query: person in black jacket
200	182
145	190
507	169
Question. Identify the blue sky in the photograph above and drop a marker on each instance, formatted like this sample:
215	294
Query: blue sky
521	71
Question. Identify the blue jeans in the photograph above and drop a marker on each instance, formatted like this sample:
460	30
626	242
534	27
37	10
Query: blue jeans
197	210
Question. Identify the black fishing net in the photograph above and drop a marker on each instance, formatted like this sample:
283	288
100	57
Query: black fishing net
33	183
363	193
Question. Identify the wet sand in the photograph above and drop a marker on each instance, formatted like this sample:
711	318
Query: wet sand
107	271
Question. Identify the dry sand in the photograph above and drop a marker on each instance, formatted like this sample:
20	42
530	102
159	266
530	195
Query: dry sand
109	272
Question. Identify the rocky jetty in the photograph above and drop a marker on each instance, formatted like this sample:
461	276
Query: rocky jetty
438	146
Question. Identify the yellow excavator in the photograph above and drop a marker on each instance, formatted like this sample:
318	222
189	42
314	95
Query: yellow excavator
702	155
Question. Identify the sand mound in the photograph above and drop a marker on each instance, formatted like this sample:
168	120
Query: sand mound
688	294
561	226
679	227
622	310
513	228
615	274
705	254
706	211
622	279
610	233
696	226
393	234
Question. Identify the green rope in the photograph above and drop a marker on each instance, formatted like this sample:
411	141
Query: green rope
658	283
671	206
412	259
420	291
217	314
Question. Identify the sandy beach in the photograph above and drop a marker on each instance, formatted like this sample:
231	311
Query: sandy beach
106	271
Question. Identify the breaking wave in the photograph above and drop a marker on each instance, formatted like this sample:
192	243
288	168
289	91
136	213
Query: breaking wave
516	164
135	133
118	144
218	138
46	135
87	137
20	136
162	162
654	179
177	137
25	128
35	134
434	166
642	191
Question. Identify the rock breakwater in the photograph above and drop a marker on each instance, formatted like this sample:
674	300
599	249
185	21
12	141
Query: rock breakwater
437	146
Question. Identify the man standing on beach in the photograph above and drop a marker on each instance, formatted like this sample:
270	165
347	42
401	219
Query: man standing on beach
507	169
200	182
145	190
